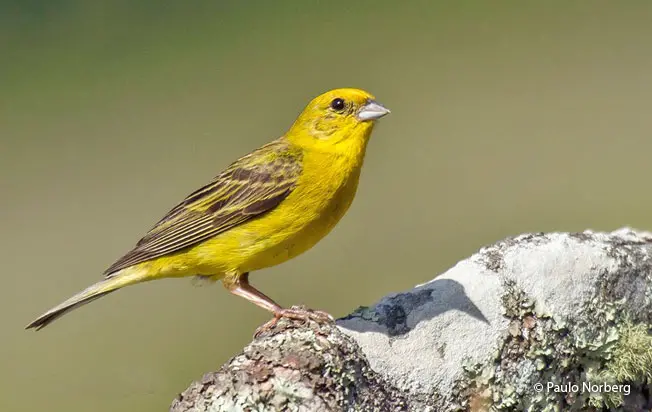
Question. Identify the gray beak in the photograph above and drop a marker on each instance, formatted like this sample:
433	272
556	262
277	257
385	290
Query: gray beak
372	111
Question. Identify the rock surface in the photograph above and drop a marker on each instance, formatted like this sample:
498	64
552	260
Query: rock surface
539	322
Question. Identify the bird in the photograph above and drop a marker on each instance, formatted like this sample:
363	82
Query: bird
265	208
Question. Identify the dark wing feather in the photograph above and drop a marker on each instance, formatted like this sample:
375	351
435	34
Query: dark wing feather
251	186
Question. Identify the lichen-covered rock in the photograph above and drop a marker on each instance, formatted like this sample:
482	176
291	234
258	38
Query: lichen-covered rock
538	322
299	367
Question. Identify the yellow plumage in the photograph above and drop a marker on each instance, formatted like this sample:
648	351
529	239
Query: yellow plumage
267	207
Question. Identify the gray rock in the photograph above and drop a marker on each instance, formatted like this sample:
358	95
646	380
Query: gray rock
537	322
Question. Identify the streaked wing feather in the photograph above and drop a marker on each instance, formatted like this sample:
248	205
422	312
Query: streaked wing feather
251	186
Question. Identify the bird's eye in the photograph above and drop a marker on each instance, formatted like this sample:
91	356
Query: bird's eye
337	104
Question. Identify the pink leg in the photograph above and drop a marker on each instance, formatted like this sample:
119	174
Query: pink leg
241	287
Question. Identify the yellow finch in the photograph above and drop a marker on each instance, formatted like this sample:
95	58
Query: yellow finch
265	208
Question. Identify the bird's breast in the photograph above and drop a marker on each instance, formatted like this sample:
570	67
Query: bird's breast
320	199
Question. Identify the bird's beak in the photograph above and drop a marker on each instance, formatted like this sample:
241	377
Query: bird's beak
372	111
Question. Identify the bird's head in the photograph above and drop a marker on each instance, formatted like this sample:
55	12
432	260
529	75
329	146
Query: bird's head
338	120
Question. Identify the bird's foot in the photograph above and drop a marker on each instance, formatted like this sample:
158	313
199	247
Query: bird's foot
296	313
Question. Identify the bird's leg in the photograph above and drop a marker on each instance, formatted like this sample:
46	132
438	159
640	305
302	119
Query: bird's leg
240	286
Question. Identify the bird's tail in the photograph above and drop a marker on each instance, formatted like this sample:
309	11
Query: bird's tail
121	279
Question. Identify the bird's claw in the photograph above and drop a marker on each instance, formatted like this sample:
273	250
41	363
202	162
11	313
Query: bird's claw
296	313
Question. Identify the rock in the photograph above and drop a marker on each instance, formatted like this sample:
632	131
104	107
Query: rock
540	322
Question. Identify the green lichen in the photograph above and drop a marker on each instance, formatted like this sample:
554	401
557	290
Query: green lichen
599	347
632	359
630	363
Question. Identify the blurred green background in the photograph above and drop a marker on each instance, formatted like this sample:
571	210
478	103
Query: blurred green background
507	117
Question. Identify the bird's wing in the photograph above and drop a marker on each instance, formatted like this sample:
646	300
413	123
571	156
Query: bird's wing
251	186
